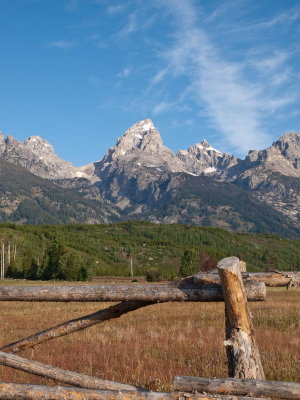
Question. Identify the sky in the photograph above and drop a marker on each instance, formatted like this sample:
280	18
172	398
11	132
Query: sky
80	72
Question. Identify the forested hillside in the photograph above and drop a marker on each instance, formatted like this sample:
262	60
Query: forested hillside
136	193
78	252
28	199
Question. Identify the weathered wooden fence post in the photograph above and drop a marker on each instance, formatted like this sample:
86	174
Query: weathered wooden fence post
243	266
242	353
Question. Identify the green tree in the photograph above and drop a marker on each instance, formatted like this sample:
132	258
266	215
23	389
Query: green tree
35	271
187	265
69	265
153	275
51	263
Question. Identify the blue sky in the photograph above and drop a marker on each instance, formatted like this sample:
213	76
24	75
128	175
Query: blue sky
80	72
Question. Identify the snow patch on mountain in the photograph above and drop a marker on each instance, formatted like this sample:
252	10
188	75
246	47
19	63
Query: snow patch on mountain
202	159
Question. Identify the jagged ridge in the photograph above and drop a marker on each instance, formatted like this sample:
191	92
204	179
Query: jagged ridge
134	178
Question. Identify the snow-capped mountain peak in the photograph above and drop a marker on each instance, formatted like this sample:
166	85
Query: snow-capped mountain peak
143	144
204	159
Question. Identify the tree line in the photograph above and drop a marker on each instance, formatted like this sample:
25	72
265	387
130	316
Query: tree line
78	251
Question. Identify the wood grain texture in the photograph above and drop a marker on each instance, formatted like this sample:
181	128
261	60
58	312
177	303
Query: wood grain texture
243	387
10	391
143	293
275	279
243	356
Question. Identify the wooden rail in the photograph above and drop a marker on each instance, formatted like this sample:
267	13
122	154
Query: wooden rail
58	374
11	391
275	278
73	325
145	293
232	287
240	387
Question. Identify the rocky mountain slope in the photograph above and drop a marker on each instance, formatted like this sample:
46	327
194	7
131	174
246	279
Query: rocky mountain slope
140	178
203	159
28	199
273	175
37	156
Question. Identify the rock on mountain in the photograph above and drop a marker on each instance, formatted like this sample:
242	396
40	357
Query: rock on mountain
143	179
202	200
142	145
37	156
273	174
203	159
28	199
138	159
140	178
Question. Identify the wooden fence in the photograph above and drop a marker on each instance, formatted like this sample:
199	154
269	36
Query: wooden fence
244	363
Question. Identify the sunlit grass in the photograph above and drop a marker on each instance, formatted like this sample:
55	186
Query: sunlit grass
149	346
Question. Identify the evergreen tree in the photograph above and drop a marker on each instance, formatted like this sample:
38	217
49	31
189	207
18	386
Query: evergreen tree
187	266
68	266
51	264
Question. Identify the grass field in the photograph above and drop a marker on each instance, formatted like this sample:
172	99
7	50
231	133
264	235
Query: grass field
148	347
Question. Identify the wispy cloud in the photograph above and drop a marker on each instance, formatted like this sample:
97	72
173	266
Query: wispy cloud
159	76
161	107
271	63
117	9
62	44
282	18
124	73
95	79
72	5
235	104
255	27
130	26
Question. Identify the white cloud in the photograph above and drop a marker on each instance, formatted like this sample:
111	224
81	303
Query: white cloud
161	108
72	5
221	10
62	44
282	18
117	9
159	76
270	63
124	73
95	79
235	105
281	77
130	27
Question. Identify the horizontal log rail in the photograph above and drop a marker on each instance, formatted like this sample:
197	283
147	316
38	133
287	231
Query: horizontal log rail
276	278
13	391
145	293
243	387
61	375
73	325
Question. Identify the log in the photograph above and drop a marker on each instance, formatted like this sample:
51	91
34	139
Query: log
144	293
242	353
13	391
243	266
58	374
295	278
73	325
240	387
278	279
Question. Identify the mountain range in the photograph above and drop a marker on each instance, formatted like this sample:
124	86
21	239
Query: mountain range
139	178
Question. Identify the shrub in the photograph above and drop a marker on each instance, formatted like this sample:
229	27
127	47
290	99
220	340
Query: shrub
153	275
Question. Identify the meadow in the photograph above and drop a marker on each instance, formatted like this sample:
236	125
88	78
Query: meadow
148	347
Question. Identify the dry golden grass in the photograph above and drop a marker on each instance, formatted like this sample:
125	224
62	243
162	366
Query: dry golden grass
148	347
